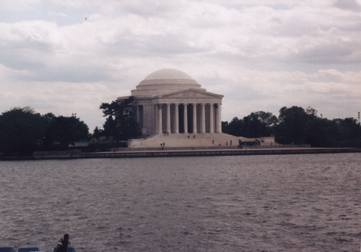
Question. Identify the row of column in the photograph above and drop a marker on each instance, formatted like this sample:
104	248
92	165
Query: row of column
215	125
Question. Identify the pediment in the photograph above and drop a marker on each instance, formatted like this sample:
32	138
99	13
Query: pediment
191	93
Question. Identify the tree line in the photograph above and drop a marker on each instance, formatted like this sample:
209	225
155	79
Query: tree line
296	125
22	130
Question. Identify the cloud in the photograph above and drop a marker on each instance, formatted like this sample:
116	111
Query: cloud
351	5
250	33
60	98
261	55
18	4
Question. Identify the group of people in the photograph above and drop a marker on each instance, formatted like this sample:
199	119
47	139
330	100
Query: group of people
230	143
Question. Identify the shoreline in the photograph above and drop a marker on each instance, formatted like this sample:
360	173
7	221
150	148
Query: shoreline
131	153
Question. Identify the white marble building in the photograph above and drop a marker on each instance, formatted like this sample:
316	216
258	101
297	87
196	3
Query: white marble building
169	101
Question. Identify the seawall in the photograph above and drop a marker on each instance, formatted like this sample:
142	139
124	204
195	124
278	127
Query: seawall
131	153
217	152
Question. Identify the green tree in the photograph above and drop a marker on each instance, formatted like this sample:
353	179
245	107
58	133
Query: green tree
260	124
235	127
266	118
65	130
120	123
21	131
257	124
292	122
349	132
97	133
332	133
322	133
252	126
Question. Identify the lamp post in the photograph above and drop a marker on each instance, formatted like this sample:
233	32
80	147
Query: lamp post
74	129
359	131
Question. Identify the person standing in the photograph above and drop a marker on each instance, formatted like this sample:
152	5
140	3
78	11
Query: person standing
63	244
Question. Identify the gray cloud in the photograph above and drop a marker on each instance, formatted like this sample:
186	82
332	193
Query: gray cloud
260	54
351	5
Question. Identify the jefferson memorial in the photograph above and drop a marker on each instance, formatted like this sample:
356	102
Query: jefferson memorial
174	110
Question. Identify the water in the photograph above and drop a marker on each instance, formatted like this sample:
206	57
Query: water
230	203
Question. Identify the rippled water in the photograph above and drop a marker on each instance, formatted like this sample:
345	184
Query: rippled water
233	203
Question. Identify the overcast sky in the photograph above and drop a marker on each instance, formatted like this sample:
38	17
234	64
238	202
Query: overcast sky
69	56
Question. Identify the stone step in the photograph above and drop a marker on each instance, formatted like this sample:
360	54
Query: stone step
190	140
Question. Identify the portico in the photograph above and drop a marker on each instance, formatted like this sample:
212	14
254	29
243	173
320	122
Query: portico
178	118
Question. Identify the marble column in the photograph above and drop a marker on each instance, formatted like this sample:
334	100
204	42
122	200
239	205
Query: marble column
168	118
185	120
160	119
194	118
211	118
218	121
176	118
138	117
220	118
203	118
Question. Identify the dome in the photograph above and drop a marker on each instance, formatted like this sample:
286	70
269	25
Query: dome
168	76
165	81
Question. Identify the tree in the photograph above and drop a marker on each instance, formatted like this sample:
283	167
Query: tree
260	123
311	112
322	133
21	131
257	124
120	122
235	127
265	117
65	130
97	133
349	132
225	127
292	122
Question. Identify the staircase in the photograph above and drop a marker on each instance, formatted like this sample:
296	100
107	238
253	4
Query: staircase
200	140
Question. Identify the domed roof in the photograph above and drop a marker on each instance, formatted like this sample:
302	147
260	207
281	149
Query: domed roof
165	81
168	76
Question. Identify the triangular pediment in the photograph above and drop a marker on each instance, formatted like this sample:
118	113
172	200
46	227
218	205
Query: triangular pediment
191	93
